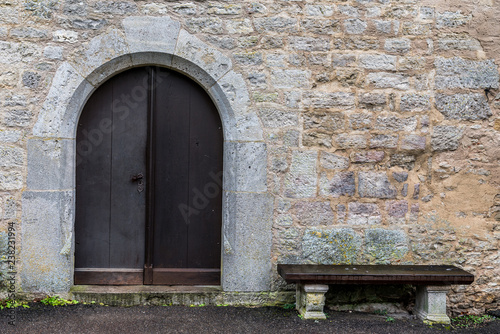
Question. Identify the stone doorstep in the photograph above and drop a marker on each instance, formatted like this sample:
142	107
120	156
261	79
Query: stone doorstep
176	295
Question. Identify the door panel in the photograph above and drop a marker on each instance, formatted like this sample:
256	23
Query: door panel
172	134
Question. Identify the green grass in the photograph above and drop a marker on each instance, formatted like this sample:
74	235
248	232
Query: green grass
470	321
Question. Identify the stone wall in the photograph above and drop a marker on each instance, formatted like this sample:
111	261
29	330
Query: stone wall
381	119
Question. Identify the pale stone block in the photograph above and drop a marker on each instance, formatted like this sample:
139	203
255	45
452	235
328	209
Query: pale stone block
249	166
310	300
430	304
151	34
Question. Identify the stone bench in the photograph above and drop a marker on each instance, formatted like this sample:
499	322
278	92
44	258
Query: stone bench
432	283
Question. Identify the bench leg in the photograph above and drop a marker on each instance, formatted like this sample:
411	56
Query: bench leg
310	300
431	304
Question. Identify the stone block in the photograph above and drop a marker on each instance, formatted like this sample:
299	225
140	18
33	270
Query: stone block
67	94
375	185
47	230
314	138
51	164
446	137
31	79
358	43
320	27
384	246
377	62
323	100
29	32
414	64
240	26
400	176
88	24
11	180
250	166
416	29
458	42
11	156
288	79
413	143
151	34
247	263
309	43
383	26
389	80
471	107
17	118
393	123
355	26
115	7
343	60
310	299
333	161
346	141
372	101
331	246
367	157
348	10
63	36
276	118
224	9
363	214
461	73
248	58
209	25
301	180
210	60
276	24
53	52
415	102
10	136
320	10
397	45
341	184
361	121
451	19
430	304
396	209
232	92
325	122
314	213
185	9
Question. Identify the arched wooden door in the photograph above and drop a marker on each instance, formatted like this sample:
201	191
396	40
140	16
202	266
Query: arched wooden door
149	182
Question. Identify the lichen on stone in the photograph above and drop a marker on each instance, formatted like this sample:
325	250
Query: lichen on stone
331	246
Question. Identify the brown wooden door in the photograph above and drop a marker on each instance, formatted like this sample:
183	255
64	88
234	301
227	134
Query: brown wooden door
149	180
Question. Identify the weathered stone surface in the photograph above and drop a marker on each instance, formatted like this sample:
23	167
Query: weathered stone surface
53	52
458	42
389	80
333	161
226	9
10	136
377	62
451	19
11	180
383	26
400	176
290	78
406	161
358	43
463	106
47	229
413	143
210	25
348	10
319	10
341	184
11	156
331	246
393	123
309	43
414	64
360	121
314	213
460	73
115	7
185	9
50	164
29	32
247	242
322	27
384	246
446	137
367	157
146	34
313	138
416	29
248	58
375	185
343	60
250	161
345	141
363	214
415	102
397	45
276	24
355	26
397	209
239	26
321	100
276	118
301	180
325	122
17	117
10	209
31	79
83	24
372	101
235	92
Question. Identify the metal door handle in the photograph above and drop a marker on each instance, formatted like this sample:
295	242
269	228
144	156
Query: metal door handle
136	177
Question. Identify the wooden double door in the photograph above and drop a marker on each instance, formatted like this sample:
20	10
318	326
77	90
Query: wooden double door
149	182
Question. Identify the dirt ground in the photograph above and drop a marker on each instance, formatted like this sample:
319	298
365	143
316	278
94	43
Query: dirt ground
210	319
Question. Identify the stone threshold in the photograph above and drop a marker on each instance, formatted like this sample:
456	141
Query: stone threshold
177	295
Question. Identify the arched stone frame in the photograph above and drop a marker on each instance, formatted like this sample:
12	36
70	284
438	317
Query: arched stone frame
48	202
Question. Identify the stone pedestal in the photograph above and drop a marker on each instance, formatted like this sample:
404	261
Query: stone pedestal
431	304
311	300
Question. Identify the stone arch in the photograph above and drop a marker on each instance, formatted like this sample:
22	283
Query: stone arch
47	243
